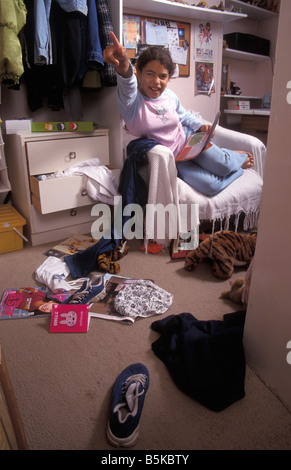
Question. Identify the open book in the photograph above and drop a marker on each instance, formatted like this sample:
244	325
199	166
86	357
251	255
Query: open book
105	308
197	143
127	299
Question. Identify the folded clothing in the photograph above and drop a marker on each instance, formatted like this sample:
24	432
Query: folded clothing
52	273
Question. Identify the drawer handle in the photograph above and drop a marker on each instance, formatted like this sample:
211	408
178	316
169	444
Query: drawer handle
72	155
84	192
73	212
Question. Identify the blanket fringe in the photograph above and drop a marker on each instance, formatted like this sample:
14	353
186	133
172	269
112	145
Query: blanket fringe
250	221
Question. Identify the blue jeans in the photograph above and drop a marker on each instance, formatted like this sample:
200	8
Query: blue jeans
94	50
133	190
42	48
213	170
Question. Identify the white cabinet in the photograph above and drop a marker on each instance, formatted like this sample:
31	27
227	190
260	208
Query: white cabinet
54	208
4	180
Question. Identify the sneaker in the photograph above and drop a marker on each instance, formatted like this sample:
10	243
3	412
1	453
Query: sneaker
128	395
88	292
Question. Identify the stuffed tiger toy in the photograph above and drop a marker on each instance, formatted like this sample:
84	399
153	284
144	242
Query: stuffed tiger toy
226	249
107	261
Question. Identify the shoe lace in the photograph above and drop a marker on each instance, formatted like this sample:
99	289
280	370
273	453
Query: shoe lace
130	391
77	297
77	283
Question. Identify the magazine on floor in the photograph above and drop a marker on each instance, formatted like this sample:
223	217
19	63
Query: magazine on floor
197	143
28	302
127	299
105	307
71	245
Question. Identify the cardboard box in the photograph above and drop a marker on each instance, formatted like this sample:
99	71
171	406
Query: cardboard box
11	229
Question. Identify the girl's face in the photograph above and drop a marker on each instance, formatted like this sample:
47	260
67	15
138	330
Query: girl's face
46	307
153	79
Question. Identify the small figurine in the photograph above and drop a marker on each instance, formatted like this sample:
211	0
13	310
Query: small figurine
234	90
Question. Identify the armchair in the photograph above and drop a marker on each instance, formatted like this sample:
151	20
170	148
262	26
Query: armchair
243	196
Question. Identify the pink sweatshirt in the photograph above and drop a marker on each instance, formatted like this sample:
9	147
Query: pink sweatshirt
162	119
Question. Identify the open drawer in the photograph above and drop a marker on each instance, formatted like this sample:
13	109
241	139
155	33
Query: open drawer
57	194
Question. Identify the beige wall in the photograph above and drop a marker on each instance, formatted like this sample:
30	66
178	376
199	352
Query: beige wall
184	87
268	321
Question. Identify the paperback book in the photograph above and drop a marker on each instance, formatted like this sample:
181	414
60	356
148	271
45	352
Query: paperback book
197	143
70	318
71	245
27	302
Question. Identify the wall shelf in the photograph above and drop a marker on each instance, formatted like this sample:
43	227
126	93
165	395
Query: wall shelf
241	55
181	10
244	97
250	112
253	12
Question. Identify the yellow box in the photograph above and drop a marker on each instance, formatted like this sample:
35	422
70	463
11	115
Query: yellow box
11	222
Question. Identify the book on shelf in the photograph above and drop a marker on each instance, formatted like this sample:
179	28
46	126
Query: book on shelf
197	143
238	104
70	318
27	302
71	245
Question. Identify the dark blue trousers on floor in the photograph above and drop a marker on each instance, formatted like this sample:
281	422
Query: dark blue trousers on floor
133	190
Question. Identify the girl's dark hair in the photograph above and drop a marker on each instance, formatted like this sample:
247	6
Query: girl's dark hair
156	53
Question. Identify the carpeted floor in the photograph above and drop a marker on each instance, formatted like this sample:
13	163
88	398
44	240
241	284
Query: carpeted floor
63	382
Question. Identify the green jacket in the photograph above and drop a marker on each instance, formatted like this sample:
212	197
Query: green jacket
12	19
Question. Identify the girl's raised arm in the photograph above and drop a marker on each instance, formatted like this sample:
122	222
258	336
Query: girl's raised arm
116	54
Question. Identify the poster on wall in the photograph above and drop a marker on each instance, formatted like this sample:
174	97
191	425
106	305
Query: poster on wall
131	31
204	42
204	82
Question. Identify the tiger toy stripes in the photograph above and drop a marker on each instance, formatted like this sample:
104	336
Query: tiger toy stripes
107	261
226	249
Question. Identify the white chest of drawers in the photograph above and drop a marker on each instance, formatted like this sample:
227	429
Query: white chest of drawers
54	208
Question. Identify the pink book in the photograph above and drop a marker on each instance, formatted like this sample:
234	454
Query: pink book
197	143
69	318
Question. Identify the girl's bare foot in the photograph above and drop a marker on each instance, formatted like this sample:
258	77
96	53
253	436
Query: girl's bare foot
249	162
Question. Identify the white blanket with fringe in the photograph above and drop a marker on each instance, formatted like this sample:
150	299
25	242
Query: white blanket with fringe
243	196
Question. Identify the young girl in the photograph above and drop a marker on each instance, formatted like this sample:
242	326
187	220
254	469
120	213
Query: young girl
151	110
